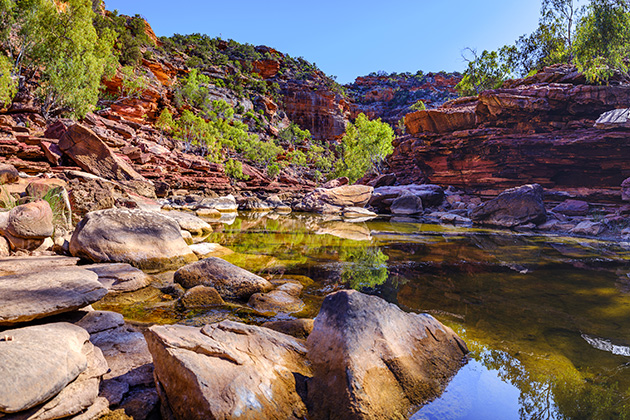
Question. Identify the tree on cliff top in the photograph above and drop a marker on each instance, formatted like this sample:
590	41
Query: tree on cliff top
363	147
61	43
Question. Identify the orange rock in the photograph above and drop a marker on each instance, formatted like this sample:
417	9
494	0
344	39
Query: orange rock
266	68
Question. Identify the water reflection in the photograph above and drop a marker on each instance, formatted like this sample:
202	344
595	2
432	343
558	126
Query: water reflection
532	309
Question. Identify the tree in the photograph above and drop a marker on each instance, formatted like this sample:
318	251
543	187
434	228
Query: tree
61	41
486	71
602	43
8	84
363	147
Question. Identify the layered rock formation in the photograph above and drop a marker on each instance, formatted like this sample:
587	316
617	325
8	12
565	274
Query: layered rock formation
536	130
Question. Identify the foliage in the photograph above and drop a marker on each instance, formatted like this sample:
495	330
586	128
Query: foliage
130	36
418	106
486	71
8	84
234	169
134	83
62	42
366	267
363	147
602	44
293	135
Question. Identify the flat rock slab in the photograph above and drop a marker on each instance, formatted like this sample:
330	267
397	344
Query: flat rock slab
230	281
207	249
38	362
120	277
28	296
15	265
229	371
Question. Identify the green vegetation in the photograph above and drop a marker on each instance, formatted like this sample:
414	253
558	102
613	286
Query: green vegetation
596	38
363	148
418	106
8	84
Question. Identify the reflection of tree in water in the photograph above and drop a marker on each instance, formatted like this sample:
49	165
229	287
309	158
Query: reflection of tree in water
560	392
365	267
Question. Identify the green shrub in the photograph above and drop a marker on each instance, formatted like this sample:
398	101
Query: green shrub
234	169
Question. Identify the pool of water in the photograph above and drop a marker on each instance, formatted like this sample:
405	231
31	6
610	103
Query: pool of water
547	319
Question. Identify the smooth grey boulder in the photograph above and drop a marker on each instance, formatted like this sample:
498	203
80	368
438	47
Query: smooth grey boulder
28	296
144	239
572	208
513	207
371	360
230	281
229	370
37	362
189	222
407	204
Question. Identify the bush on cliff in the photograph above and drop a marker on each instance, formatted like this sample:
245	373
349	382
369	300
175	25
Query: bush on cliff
363	147
8	84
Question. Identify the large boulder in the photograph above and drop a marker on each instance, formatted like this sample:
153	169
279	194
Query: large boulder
144	239
513	207
230	281
371	360
41	362
8	174
572	208
32	220
321	200
34	295
406	205
229	371
91	153
190	223
383	197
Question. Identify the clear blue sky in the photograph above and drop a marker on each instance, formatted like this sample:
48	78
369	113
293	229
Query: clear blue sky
350	38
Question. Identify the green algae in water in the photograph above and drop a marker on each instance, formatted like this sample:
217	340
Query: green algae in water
546	317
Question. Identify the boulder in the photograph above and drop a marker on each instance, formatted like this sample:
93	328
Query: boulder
120	277
201	297
283	299
190	223
30	264
8	174
572	208
31	220
40	362
406	205
383	197
144	239
588	228
35	295
230	281
345	196
513	207
91	153
625	190
299	328
229	371
371	360
225	204
88	195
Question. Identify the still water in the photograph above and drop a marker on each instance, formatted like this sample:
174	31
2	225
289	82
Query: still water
547	319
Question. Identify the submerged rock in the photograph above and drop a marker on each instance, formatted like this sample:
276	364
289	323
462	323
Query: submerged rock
201	297
371	360
230	281
229	371
283	299
144	239
120	277
513	207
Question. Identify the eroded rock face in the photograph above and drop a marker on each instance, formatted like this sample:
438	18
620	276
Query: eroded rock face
513	207
230	281
371	360
229	371
34	295
625	190
89	151
40	362
441	121
144	239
